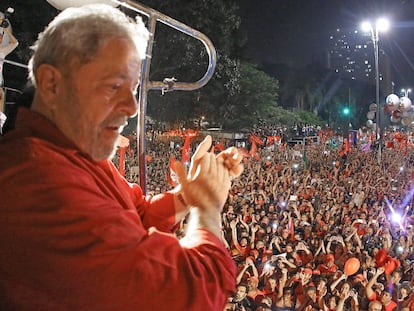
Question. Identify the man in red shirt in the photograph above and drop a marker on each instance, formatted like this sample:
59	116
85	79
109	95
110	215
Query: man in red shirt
385	297
74	234
328	267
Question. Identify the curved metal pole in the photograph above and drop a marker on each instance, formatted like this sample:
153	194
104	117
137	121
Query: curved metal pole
142	107
146	84
14	63
211	51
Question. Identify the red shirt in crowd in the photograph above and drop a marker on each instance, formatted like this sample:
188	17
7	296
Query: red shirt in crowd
389	307
75	235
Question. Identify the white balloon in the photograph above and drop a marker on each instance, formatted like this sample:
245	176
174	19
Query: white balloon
373	107
370	115
406	121
64	4
405	104
369	123
392	101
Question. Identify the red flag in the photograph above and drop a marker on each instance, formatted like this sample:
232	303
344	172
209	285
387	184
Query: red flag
171	175
185	153
278	139
257	140
122	160
253	151
123	144
269	140
253	148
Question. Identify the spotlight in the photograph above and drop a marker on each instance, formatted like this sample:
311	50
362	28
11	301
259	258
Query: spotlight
396	218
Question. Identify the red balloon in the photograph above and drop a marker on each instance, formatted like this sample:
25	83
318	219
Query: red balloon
351	266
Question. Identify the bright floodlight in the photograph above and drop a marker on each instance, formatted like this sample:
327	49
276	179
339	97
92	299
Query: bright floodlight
396	218
366	26
382	24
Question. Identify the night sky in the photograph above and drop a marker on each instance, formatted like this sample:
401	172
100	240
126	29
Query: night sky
297	31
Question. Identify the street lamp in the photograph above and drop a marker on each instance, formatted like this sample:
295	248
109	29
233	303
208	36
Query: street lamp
406	92
381	25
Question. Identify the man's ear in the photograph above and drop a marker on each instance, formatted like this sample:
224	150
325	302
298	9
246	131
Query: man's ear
48	79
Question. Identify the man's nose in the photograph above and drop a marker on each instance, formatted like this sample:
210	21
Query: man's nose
128	103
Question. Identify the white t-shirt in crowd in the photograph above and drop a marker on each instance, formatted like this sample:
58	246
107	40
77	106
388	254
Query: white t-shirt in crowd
5	49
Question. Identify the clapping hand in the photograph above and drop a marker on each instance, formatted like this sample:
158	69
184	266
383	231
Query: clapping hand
208	180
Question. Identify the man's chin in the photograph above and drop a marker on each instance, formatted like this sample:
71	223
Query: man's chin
112	154
101	154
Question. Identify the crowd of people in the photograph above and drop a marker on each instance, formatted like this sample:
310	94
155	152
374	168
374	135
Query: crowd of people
296	225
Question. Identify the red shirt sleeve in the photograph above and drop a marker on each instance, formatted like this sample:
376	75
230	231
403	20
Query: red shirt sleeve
154	211
71	239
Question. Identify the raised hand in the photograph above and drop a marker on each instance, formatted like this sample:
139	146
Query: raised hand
207	184
232	160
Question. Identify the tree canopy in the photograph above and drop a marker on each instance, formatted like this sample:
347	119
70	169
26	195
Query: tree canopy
238	95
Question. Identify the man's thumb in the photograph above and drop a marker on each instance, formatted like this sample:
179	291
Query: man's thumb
180	172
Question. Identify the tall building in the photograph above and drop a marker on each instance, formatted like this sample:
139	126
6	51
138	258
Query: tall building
351	55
